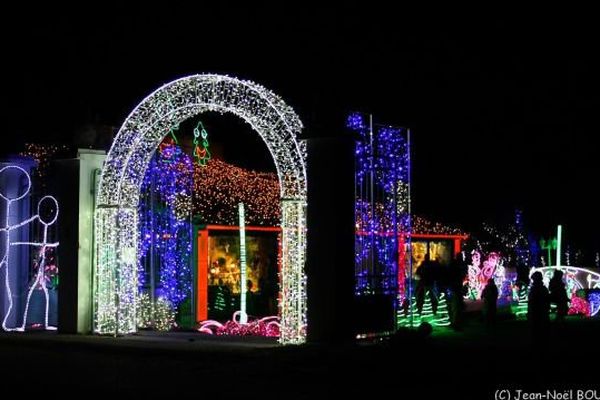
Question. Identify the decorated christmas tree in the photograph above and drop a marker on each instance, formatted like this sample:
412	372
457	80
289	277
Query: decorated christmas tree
440	318
521	308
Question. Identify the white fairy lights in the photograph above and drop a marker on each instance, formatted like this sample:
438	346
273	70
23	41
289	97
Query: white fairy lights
40	277
123	172
292	308
243	314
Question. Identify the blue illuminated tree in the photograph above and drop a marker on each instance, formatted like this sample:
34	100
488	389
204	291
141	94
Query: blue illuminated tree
165	224
381	206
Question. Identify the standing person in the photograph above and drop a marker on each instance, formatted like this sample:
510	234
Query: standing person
522	274
425	275
456	278
490	299
558	295
538	306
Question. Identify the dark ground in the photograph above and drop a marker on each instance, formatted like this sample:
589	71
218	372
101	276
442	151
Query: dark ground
470	364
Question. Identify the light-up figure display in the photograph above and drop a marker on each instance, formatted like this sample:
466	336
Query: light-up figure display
575	279
479	272
40	277
8	230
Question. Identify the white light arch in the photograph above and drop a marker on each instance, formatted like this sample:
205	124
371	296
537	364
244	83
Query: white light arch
125	166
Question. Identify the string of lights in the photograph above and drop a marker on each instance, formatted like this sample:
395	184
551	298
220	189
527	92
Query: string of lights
594	300
439	318
42	154
201	151
165	223
421	225
575	279
267	326
382	204
479	272
117	236
220	187
512	241
579	306
41	276
158	314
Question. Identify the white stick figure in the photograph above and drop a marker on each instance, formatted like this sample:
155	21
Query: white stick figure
7	229
5	261
40	278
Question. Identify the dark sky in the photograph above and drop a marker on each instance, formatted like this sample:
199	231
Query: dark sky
502	109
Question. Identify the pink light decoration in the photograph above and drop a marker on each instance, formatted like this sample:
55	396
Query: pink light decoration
479	273
489	267
579	306
267	326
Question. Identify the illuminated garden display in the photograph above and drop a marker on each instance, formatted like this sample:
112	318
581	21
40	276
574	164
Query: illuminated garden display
183	240
577	280
183	194
382	210
117	213
441	242
409	317
480	272
165	215
220	274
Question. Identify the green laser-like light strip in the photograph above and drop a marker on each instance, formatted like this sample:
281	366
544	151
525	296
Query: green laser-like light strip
172	132
200	131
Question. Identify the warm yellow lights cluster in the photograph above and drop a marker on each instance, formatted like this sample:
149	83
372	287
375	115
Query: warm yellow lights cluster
219	187
424	226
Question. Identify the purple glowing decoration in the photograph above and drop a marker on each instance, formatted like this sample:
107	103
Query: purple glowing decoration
594	301
165	225
356	122
382	205
579	306
267	326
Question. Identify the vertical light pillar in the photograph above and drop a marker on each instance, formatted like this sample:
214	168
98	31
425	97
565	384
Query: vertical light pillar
90	164
558	244
202	278
292	309
116	274
243	271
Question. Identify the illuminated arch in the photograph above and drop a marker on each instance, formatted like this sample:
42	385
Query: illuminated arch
125	166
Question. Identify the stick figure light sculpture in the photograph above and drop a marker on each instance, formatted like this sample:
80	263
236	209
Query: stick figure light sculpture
7	229
40	277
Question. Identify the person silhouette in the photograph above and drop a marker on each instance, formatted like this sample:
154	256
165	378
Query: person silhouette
558	295
250	298
490	299
456	277
538	306
425	285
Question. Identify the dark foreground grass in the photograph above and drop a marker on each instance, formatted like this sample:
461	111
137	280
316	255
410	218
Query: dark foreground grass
468	364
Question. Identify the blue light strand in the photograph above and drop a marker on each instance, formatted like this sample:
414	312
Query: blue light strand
594	299
381	204
167	223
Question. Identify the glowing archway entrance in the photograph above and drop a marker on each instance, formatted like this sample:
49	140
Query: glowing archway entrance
123	172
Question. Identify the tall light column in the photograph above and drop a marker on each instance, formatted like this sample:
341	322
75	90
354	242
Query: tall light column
558	244
243	314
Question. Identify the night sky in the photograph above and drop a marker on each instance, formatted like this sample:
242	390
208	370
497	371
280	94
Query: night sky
502	109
